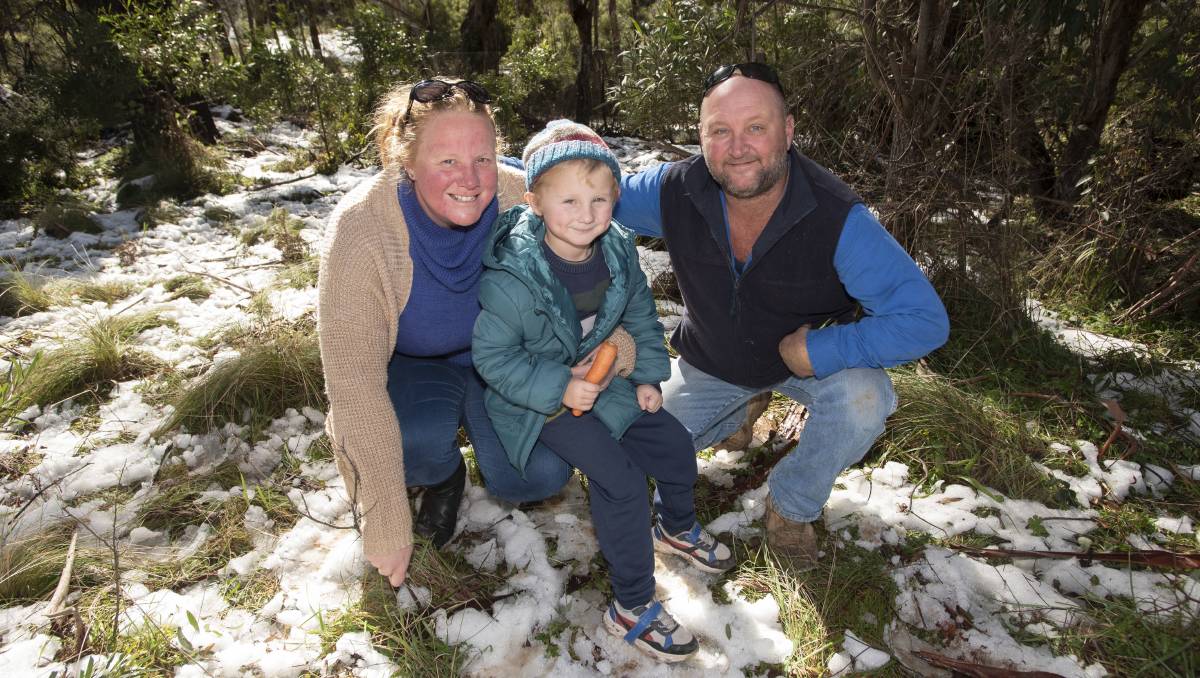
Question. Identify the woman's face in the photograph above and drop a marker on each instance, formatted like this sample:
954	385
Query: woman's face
453	170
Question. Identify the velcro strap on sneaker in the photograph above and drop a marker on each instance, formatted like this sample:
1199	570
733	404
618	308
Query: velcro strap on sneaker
646	619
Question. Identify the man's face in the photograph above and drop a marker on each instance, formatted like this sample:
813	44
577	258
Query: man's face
744	136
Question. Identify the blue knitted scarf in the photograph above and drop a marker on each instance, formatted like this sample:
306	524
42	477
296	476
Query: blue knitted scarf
453	256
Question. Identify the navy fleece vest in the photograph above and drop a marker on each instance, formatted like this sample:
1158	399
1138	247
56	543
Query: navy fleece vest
733	324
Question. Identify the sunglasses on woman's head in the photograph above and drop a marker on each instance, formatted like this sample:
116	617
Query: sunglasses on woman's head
429	91
751	69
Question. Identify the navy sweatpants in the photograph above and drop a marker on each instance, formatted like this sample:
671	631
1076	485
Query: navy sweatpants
656	445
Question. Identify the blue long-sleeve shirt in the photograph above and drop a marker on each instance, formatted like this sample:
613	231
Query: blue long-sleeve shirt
904	317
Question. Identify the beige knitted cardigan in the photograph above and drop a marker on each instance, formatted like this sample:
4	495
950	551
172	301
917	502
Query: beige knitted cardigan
364	281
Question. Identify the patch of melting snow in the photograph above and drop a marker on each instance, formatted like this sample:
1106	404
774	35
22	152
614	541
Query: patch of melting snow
1080	341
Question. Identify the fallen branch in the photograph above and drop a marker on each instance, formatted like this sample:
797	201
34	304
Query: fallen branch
282	183
671	148
1042	396
1149	558
1166	290
979	670
222	280
64	579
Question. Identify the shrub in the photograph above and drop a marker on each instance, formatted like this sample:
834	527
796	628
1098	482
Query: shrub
36	151
659	95
535	83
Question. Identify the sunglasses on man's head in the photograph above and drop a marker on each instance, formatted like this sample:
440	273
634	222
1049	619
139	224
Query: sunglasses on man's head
750	69
429	91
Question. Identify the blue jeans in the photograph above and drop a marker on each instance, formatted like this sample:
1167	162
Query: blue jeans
846	411
432	398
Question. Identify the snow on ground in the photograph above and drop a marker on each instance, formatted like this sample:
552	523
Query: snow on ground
319	567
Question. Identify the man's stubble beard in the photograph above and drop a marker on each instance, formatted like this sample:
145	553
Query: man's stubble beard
770	176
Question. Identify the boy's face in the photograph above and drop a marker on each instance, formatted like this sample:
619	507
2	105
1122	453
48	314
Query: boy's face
576	203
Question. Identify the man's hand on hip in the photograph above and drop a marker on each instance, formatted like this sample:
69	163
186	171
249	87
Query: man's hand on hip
793	348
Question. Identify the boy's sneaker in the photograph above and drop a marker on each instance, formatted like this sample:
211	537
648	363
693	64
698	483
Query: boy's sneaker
695	545
651	629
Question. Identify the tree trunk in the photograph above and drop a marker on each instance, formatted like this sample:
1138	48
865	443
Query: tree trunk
744	22
582	12
1109	57
314	32
484	37
253	25
614	34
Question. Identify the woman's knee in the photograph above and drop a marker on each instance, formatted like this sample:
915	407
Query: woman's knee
545	474
545	478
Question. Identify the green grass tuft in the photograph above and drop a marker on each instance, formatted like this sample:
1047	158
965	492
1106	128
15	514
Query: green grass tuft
177	506
60	220
279	367
408	638
145	649
30	566
945	433
22	293
849	589
252	591
174	506
188	286
104	353
301	274
282	229
297	159
1129	642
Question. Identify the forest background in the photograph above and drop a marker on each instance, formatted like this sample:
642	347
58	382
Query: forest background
1005	138
1019	149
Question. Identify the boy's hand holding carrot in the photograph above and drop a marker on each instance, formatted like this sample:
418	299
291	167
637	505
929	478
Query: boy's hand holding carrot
581	394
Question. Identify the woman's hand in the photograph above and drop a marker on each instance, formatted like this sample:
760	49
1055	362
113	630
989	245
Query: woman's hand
393	565
648	397
581	394
581	369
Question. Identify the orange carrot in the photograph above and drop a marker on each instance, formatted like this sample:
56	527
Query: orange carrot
601	364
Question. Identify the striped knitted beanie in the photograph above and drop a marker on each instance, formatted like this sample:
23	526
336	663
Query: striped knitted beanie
564	140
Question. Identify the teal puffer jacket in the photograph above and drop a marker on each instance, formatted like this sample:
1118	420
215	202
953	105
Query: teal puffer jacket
527	335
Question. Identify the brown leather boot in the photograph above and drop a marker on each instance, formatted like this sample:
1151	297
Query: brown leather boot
793	543
742	437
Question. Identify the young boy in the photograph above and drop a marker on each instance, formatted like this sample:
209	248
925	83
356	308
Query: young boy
558	277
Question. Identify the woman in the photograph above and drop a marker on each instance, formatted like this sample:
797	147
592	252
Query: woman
399	283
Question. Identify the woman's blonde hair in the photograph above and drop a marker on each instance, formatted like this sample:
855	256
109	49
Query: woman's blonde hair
397	138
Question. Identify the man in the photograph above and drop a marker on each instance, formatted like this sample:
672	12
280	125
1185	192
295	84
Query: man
790	285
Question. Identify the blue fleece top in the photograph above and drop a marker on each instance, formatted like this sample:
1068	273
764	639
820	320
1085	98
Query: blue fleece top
904	318
444	301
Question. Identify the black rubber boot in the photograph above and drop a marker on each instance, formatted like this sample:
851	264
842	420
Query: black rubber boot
439	508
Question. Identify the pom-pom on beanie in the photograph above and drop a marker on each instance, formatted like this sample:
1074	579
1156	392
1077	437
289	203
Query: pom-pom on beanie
564	140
